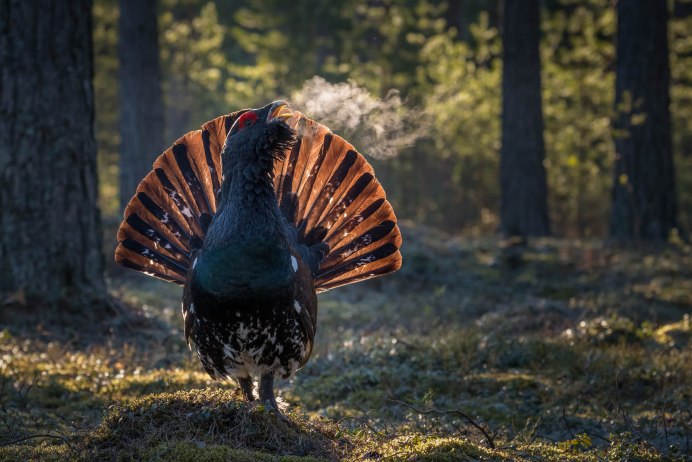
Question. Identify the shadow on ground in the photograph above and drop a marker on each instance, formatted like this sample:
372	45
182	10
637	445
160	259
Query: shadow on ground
562	350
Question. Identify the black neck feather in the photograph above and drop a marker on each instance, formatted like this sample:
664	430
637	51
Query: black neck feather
247	200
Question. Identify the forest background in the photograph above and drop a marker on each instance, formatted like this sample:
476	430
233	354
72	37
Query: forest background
445	61
538	155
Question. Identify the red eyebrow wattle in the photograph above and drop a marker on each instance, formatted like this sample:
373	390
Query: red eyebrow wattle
245	118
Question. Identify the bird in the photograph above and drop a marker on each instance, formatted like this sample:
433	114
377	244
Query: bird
254	214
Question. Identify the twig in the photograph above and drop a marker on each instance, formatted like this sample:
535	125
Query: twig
617	394
546	437
489	439
571	431
533	433
19	440
564	419
392	456
362	420
600	437
665	424
3	417
3	380
23	394
386	431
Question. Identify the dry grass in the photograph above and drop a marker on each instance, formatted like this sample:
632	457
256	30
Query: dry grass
568	351
205	418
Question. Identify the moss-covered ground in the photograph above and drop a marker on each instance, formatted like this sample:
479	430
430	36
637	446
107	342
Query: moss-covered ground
561	350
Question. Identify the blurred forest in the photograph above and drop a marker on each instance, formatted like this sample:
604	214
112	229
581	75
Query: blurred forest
574	344
445	60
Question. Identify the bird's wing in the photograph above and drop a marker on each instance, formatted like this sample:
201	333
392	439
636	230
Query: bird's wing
305	303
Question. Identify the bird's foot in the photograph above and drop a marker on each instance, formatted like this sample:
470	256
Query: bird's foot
273	409
267	398
246	386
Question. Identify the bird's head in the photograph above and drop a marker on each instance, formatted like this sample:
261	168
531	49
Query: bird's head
259	136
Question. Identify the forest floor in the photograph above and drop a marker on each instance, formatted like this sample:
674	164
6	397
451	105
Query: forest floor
560	350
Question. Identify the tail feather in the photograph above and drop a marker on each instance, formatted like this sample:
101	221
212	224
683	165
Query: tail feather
361	208
197	180
329	192
215	186
171	264
358	193
358	245
143	233
385	259
359	241
308	160
167	219
179	177
332	190
155	201
183	210
149	268
357	263
324	187
287	177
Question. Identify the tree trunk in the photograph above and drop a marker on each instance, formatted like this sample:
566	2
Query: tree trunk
682	9
524	209
644	202
50	244
141	104
453	17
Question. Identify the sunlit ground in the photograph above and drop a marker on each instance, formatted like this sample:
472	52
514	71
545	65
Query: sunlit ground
562	351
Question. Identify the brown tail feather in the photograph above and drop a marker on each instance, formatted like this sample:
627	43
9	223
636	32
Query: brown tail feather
329	191
381	261
165	222
324	187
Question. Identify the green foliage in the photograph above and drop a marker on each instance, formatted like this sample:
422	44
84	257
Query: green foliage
195	67
459	83
220	56
581	441
105	38
579	339
273	46
680	42
578	56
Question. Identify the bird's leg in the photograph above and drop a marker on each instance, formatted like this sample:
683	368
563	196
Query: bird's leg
246	385
266	393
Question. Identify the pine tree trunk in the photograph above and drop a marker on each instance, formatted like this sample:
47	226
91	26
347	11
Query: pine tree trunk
50	244
682	9
524	209
141	104
644	202
453	17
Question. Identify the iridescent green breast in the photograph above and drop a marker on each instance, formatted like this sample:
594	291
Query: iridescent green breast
243	269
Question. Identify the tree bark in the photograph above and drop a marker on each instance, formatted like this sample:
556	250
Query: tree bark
524	209
453	17
50	243
141	103
644	201
682	9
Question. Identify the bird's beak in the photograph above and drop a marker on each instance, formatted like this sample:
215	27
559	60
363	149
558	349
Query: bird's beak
279	111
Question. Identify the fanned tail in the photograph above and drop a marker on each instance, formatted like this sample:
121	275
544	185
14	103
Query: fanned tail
330	193
167	219
325	188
